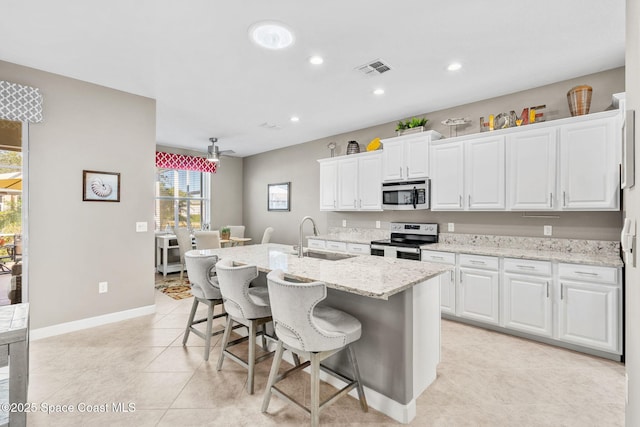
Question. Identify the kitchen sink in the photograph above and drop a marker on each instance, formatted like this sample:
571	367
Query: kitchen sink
330	256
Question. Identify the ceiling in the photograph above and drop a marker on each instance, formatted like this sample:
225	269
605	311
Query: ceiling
209	80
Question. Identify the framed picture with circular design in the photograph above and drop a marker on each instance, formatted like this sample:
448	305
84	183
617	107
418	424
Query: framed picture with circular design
100	186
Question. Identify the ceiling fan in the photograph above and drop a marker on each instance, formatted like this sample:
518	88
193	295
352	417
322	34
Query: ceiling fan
213	154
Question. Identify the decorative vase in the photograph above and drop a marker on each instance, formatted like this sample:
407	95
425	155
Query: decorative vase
579	99
353	147
225	235
409	131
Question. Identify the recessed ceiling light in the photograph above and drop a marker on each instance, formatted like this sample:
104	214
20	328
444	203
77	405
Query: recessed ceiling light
295	119
378	92
271	35
454	66
316	60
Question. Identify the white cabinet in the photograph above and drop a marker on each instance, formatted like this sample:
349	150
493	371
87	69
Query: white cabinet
351	183
331	245
589	309
407	157
447	176
527	299
479	288
316	244
447	280
589	172
359	248
485	173
328	185
531	170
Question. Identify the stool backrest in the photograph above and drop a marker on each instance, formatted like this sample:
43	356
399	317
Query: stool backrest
207	239
234	284
200	269
266	237
292	307
183	235
236	230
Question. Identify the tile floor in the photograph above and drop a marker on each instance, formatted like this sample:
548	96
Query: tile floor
484	379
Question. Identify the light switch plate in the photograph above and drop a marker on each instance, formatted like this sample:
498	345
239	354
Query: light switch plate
451	227
103	287
548	230
377	224
344	222
141	227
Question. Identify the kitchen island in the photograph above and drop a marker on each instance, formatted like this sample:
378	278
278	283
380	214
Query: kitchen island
398	303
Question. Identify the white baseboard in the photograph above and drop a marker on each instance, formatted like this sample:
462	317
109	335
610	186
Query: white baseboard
402	413
91	322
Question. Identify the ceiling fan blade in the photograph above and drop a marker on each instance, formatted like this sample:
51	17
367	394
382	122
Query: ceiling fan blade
225	152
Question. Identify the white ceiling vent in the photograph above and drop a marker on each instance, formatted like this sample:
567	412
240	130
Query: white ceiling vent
374	68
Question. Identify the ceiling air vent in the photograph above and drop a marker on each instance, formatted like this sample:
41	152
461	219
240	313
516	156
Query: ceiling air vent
373	68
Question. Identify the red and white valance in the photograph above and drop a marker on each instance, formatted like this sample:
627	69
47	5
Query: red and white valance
20	103
183	162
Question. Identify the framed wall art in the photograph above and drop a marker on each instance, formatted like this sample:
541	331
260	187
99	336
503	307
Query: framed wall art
279	197
100	186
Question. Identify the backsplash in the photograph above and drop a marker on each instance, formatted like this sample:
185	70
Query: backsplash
532	243
358	234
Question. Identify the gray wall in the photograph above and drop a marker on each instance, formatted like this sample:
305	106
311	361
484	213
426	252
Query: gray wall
298	164
632	207
74	244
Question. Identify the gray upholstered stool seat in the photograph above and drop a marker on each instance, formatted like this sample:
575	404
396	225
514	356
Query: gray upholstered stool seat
245	305
313	331
204	287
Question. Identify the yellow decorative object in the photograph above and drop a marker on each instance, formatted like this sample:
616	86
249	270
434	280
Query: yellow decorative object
374	144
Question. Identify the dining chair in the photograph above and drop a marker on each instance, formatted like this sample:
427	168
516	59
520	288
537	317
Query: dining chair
185	244
236	230
207	239
266	237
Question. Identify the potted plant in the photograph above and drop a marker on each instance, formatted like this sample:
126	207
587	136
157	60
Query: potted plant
225	233
415	124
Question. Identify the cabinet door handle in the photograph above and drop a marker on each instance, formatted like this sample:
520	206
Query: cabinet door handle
528	267
400	171
360	202
354	203
473	261
561	290
460	200
550	200
407	171
564	199
547	289
451	275
436	257
469	205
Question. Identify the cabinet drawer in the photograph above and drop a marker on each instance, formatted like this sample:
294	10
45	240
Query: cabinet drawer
528	267
439	257
358	248
336	246
318	244
588	273
479	261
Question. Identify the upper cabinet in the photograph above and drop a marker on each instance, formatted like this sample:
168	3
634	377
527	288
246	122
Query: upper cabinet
568	164
531	170
589	173
406	157
351	183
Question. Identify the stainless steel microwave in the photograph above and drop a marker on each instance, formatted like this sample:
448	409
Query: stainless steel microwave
408	195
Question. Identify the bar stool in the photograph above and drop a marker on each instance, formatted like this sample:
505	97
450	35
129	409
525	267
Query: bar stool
313	331
248	306
205	290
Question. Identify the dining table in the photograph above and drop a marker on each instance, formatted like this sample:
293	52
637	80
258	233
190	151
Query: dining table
234	241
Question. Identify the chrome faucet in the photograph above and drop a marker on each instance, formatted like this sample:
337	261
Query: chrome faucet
315	233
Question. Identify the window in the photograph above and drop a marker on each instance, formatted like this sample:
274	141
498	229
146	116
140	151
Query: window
182	199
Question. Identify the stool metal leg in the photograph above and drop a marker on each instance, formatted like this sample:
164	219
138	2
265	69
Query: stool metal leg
225	341
264	337
207	339
315	389
275	367
356	376
252	355
190	322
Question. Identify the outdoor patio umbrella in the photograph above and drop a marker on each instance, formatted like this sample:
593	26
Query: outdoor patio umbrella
11	181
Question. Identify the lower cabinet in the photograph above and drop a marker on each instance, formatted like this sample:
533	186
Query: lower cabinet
447	280
479	289
527	300
589	308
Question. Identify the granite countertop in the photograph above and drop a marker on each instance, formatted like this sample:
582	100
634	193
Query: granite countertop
376	277
347	238
605	260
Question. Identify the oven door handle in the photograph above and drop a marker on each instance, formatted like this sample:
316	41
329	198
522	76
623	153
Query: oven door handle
408	250
378	247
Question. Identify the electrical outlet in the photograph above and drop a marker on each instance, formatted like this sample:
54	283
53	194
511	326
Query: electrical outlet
141	227
451	227
377	224
103	287
548	230
344	222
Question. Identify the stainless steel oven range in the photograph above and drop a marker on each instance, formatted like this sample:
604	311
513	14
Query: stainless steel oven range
406	239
